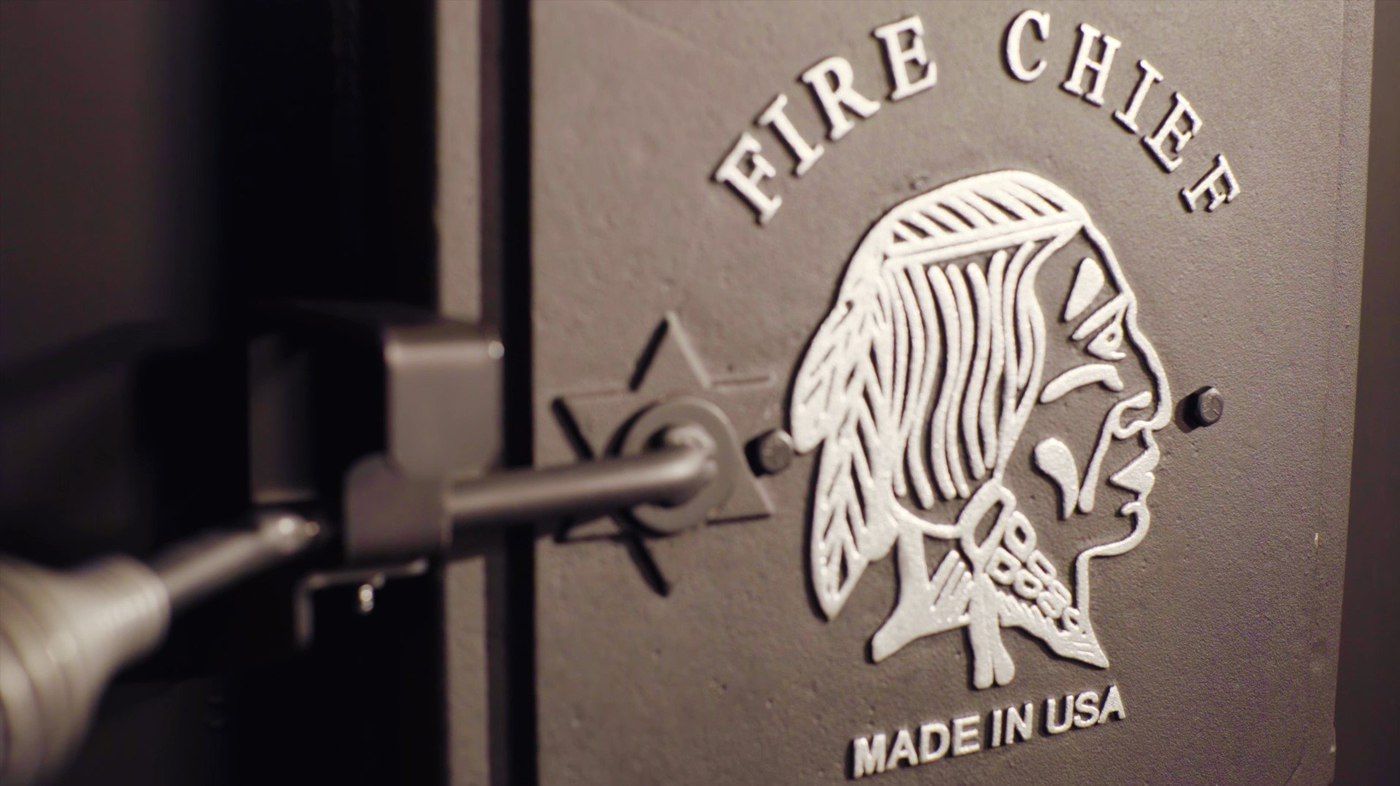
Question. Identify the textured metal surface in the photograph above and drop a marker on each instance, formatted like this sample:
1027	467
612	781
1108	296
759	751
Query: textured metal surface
1222	625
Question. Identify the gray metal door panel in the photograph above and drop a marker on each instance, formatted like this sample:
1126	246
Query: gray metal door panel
1220	627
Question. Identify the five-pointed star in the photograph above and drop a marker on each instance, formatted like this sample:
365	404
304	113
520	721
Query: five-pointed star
670	367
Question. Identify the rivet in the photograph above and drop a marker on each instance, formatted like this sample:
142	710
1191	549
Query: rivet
1205	407
771	452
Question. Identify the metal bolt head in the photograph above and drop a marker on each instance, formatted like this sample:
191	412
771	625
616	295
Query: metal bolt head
1205	407
771	452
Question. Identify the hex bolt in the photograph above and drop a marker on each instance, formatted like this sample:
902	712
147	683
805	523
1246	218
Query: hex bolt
771	452
1205	407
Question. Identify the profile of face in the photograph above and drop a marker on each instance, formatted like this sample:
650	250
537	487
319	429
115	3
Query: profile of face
982	329
1105	360
1089	434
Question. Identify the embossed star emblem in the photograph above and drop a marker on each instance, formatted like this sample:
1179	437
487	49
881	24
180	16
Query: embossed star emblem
668	367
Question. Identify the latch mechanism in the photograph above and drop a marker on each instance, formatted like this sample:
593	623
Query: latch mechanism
671	478
387	422
395	417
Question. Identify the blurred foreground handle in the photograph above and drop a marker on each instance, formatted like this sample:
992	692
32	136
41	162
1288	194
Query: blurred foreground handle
63	635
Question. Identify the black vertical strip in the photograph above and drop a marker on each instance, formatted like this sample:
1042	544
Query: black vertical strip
326	175
397	64
399	181
506	268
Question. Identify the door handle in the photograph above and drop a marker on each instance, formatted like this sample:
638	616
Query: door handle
64	635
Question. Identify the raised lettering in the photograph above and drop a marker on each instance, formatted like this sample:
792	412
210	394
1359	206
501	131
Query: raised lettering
1086	710
831	82
732	174
1127	117
1170	129
1053	726
1020	722
775	117
868	756
1220	182
1112	703
903	750
965	734
1015	33
899	56
927	752
1088	35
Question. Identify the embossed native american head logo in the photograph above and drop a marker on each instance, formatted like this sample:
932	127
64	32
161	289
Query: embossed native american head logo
937	370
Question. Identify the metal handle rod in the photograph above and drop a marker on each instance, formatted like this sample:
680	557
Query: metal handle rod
667	475
204	565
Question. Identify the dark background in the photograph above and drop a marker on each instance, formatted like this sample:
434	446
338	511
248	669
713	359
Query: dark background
165	167
162	167
1368	685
